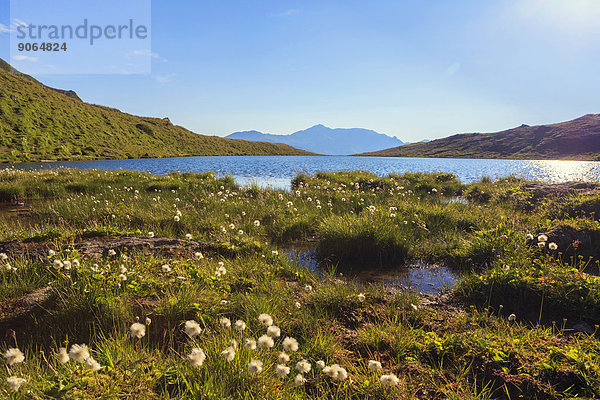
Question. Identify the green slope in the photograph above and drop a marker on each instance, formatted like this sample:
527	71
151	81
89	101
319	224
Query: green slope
41	123
578	139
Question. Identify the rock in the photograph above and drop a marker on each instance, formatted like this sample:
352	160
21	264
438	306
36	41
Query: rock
583	327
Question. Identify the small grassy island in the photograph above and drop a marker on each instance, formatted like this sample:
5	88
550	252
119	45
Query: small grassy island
123	284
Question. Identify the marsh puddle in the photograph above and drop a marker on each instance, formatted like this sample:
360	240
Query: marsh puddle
454	200
421	277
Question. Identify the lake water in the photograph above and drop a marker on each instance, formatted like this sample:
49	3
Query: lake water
277	171
417	276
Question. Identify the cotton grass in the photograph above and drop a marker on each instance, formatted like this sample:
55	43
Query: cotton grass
14	356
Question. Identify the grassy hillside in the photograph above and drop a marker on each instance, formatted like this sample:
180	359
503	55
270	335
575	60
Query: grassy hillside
578	139
42	123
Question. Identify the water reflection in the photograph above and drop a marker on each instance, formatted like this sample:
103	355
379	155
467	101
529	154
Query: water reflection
416	276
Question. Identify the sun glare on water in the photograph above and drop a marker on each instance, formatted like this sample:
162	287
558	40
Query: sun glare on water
561	171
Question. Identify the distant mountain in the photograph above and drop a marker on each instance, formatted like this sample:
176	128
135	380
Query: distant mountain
323	140
578	139
38	122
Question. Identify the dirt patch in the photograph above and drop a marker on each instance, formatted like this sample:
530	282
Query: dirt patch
573	242
14	312
99	247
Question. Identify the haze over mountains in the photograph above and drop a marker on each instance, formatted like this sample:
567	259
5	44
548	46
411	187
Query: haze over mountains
578	139
323	140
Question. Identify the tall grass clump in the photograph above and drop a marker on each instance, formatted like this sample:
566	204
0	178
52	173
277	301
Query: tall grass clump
361	239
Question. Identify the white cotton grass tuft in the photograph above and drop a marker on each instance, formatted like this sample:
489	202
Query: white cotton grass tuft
62	356
542	238
283	358
250	344
79	352
197	357
92	364
299	380
256	223
14	356
192	328
266	342
552	246
255	367
229	353
198	255
225	323
166	268
389	380
282	370
51	253
374	365
265	319
273	331
321	364
290	344
361	297
14	383
189	236
335	372
151	234
303	366
239	325
221	271
137	330
512	317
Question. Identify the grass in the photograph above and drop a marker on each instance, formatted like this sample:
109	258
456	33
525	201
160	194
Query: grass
462	348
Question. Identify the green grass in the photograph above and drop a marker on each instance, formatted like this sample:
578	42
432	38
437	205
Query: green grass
435	351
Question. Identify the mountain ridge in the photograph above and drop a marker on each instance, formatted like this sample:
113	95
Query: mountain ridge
324	140
577	139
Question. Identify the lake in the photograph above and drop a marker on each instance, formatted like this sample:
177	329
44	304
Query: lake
277	171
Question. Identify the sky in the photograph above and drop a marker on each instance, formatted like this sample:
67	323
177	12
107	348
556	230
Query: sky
413	69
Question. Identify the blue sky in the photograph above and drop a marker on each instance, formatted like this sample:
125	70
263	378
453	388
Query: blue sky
413	69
